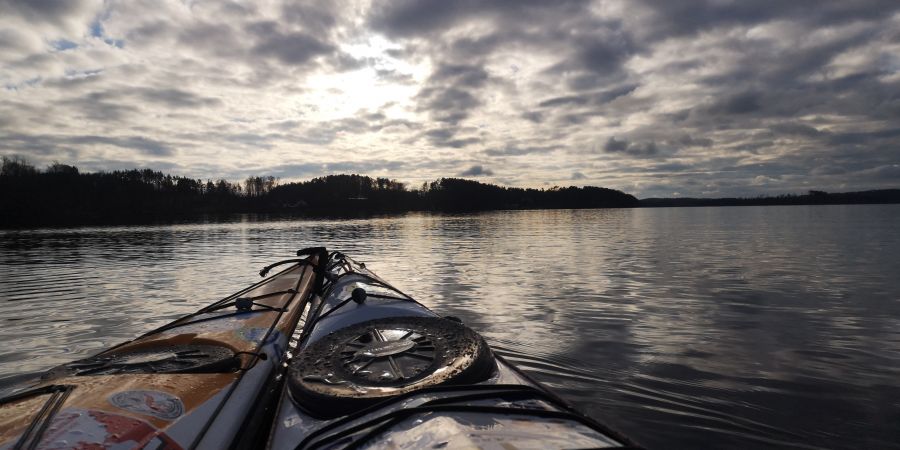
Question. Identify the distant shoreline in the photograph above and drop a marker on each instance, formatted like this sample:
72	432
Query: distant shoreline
61	196
228	217
879	196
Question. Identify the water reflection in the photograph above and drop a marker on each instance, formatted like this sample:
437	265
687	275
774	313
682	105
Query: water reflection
690	327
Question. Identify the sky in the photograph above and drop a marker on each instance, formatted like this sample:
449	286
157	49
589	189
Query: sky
657	98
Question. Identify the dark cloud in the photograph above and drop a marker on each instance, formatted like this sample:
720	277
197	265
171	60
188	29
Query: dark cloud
121	105
645	149
447	137
578	176
533	116
604	55
101	107
440	134
159	29
476	171
460	75
597	57
13	42
514	150
448	104
343	62
409	19
291	48
613	145
889	173
451	93
54	12
394	76
250	140
461	142
686	140
50	144
593	99
398	125
684	17
564	101
314	136
743	103
449	96
669	167
286	125
640	150
317	17
863	137
216	39
795	129
176	98
142	144
75	80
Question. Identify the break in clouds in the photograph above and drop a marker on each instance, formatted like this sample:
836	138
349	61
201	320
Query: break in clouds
652	97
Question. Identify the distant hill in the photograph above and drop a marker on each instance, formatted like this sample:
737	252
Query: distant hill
62	195
454	194
811	198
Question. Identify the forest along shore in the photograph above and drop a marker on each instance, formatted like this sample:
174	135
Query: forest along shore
61	195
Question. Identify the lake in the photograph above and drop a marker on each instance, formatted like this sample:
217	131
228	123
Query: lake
681	327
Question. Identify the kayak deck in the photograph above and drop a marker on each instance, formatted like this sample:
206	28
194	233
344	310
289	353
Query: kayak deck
324	354
500	408
195	383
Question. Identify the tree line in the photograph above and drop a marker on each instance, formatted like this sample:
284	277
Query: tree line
809	198
62	195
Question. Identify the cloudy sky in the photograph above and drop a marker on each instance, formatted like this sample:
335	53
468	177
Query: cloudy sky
653	97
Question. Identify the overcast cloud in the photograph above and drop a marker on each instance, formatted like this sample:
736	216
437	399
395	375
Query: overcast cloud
653	97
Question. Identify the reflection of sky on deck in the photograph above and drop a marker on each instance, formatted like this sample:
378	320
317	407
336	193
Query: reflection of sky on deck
738	321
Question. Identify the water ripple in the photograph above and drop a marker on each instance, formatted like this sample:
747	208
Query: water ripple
683	327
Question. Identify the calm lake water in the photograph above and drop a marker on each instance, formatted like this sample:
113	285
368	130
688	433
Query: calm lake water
682	327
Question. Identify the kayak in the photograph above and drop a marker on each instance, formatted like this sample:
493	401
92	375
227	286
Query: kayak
370	367
208	380
323	354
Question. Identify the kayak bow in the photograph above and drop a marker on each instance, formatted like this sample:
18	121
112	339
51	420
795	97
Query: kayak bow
206	380
323	354
376	369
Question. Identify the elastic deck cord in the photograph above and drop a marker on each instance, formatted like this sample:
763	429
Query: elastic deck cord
254	359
